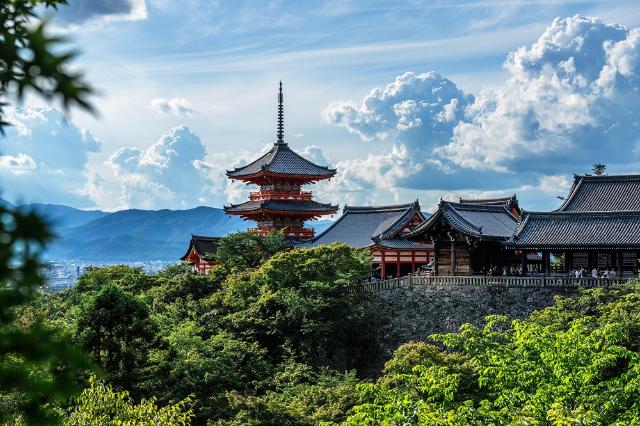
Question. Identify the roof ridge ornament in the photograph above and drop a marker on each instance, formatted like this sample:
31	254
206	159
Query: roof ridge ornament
280	117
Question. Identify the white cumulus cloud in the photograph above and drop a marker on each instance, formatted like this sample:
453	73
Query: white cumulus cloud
18	165
44	157
410	107
173	106
570	100
172	173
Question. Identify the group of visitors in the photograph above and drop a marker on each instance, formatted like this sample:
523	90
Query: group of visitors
595	273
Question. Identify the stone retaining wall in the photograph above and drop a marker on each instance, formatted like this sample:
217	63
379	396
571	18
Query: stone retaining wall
413	312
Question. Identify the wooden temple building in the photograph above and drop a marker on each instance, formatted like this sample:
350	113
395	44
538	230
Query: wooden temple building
280	203
597	227
381	230
200	253
468	236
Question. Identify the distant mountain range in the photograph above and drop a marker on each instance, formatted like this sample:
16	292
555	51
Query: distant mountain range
133	235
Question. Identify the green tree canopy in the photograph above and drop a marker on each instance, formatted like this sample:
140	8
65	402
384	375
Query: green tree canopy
244	250
38	364
100	405
114	327
575	363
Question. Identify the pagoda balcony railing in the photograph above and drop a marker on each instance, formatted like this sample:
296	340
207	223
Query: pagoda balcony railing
289	231
280	194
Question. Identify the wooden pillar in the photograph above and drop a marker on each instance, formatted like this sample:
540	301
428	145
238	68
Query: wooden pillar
524	262
568	261
382	265
546	261
413	261
620	264
397	263
435	258
453	257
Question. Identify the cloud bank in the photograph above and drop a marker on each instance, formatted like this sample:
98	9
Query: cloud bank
174	106
172	173
571	99
45	156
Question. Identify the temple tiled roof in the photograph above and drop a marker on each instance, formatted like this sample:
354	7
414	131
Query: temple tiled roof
476	220
281	206
489	201
575	230
603	193
282	160
509	202
202	245
360	226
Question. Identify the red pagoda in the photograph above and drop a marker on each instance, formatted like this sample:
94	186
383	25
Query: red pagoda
280	204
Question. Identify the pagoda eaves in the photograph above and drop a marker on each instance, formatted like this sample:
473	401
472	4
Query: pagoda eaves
280	204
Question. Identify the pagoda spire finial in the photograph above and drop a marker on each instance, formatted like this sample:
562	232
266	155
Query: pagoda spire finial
280	116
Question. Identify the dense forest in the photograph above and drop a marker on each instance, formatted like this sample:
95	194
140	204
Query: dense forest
270	338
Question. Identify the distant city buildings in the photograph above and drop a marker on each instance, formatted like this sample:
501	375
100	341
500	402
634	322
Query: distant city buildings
62	275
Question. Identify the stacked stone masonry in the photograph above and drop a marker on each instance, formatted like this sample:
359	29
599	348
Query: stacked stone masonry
414	307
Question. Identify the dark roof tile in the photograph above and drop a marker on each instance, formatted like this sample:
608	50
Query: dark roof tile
574	230
202	245
282	160
359	226
603	193
477	220
281	205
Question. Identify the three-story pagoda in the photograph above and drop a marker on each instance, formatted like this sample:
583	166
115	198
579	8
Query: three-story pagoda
281	204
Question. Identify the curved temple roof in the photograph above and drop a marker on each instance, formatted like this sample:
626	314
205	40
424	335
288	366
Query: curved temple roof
362	227
571	230
202	245
282	160
308	206
477	220
511	203
603	193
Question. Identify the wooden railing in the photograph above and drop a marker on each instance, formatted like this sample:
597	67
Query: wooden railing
288	231
280	194
484	281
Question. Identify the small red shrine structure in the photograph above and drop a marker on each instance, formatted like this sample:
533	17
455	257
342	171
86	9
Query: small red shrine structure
200	253
281	204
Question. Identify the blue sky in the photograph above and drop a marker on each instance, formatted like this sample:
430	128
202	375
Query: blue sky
474	98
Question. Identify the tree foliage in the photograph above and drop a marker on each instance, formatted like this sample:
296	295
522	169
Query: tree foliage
38	364
279	334
244	250
599	169
114	327
575	363
32	60
100	405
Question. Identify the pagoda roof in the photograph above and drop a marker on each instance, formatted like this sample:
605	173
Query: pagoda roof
282	160
202	245
578	230
306	206
484	221
366	226
603	193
